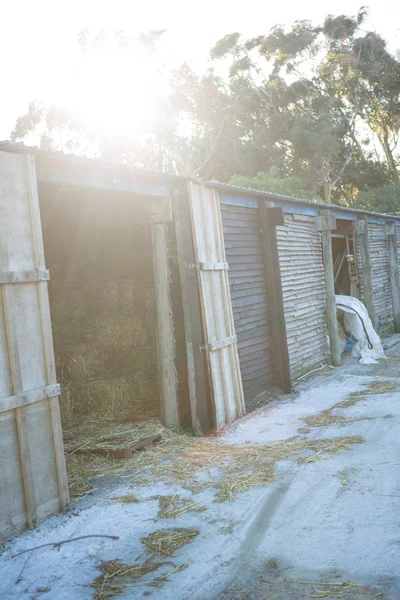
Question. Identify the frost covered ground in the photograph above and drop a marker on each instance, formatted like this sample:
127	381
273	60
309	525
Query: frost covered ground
335	522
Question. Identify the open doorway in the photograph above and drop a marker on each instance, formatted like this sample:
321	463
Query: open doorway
344	260
103	311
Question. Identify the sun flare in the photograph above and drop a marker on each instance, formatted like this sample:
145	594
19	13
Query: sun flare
115	91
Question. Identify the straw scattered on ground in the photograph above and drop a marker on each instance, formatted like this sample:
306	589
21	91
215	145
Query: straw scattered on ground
327	417
381	386
193	463
166	541
123	499
173	506
285	588
86	472
115	576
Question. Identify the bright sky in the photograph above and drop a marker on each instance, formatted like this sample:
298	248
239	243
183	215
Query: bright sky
38	39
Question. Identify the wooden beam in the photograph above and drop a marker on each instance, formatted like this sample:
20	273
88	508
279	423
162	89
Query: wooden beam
100	175
270	218
362	230
214	266
222	343
325	222
165	330
160	210
394	274
45	322
24	276
17	388
30	397
200	406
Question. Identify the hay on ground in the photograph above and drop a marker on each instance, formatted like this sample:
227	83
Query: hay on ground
326	418
166	541
173	506
115	575
123	499
193	463
381	386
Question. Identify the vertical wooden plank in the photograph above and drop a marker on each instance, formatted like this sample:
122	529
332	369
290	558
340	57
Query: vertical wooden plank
196	229
325	225
196	360
270	218
216	306
47	336
211	215
362	229
17	388
27	360
165	332
232	350
394	274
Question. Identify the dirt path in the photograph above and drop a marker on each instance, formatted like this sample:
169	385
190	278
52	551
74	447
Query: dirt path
329	514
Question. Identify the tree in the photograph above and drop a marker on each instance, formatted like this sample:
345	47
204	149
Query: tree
303	117
271	182
367	76
305	105
385	199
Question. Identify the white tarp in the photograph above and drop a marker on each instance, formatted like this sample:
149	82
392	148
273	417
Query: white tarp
358	325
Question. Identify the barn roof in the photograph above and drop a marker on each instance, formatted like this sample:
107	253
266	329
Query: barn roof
81	171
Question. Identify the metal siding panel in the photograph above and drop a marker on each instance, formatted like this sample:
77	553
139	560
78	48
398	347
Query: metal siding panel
247	284
398	244
358	257
379	250
303	285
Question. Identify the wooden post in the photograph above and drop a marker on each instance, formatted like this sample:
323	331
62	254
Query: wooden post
165	330
325	223
270	218
199	393
362	229
394	273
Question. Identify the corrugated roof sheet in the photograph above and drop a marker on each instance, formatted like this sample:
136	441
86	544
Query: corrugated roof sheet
23	148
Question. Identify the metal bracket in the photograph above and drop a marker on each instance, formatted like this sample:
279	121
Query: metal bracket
214	266
222	343
24	276
390	228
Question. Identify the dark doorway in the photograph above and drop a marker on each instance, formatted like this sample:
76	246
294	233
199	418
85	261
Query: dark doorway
344	260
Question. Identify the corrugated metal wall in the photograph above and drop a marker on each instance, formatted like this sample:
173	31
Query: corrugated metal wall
358	259
247	284
303	284
398	244
379	252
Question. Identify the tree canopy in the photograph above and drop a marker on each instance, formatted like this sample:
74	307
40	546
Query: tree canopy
307	110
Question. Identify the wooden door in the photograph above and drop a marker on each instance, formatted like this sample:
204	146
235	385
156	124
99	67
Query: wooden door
219	330
33	480
248	288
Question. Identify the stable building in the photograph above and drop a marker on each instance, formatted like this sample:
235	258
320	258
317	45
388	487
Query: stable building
169	297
